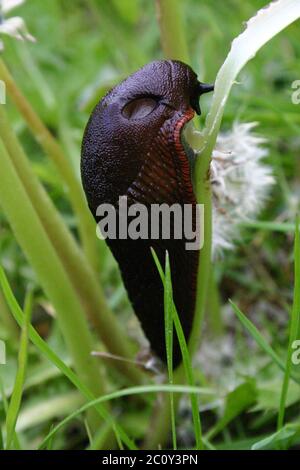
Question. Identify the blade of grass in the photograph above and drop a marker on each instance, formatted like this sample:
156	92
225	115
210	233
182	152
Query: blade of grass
190	380
50	442
174	44
261	28
5	408
267	22
294	328
124	393
187	364
281	439
54	359
168	310
260	340
172	30
8	321
85	284
16	397
56	153
39	251
269	226
235	402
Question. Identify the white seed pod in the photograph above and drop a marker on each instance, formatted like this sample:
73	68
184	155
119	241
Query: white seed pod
241	182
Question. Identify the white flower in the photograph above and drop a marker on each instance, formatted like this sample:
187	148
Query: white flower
15	26
240	182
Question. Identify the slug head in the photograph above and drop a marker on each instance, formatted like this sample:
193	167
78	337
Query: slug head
126	122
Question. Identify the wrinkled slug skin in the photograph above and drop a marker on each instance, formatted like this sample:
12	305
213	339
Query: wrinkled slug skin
132	147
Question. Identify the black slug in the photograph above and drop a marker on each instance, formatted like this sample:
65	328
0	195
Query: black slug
133	146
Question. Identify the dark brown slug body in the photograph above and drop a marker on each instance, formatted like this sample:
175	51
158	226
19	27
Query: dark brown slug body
133	147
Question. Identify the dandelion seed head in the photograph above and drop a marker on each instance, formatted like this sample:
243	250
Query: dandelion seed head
241	182
15	26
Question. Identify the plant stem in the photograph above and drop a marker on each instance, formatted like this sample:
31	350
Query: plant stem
160	428
172	31
55	152
203	195
35	243
82	277
214	307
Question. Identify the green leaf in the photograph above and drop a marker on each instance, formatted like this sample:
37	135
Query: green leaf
282	439
42	255
54	359
268	395
236	402
260	29
124	393
294	328
58	261
261	340
48	409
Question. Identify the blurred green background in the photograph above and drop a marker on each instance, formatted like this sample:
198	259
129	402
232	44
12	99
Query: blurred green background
85	47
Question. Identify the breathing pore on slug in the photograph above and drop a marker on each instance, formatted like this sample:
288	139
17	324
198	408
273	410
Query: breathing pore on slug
133	147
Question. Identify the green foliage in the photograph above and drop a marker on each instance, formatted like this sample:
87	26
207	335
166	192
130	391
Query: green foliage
172	318
294	328
16	396
250	401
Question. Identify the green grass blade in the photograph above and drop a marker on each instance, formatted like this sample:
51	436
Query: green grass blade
124	393
54	359
187	364
294	328
16	397
48	266
282	439
85	283
269	226
168	308
158	265
56	153
260	340
172	30
5	408
236	401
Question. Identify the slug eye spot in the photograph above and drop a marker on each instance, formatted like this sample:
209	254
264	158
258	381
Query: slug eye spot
139	108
